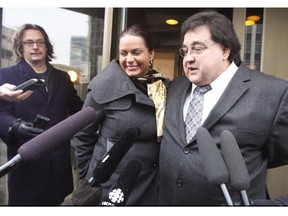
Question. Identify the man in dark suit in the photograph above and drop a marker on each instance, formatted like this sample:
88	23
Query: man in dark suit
248	103
49	180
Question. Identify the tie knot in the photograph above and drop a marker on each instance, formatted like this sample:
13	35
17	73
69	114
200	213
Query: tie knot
203	89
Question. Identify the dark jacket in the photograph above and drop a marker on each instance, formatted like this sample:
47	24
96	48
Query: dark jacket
49	180
254	107
120	105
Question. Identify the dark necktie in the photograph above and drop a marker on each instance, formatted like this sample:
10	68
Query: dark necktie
194	114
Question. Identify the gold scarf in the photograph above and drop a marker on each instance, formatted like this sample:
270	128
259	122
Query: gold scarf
157	92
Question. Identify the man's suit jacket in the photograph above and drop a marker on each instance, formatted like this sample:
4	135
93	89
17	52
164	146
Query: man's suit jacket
254	107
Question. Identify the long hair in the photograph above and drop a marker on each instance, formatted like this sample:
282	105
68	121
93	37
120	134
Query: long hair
221	30
17	42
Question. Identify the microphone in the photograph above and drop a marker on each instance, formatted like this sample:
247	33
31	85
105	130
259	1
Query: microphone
239	176
108	163
121	189
50	140
213	162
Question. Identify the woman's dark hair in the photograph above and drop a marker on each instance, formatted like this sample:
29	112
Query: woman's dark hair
17	42
139	30
221	30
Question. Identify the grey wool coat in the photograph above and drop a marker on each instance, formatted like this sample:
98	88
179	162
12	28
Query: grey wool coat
120	105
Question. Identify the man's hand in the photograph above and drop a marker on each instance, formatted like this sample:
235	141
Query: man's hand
7	93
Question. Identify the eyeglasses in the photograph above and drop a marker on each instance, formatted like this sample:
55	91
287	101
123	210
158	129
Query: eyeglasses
196	50
30	43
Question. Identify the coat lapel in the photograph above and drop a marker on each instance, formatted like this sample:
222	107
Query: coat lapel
29	73
53	84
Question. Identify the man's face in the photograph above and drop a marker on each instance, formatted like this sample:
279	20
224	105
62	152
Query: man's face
34	46
204	60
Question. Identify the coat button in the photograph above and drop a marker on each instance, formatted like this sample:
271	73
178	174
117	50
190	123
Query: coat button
186	150
179	183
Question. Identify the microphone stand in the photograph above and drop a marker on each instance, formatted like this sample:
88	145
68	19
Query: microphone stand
226	195
245	199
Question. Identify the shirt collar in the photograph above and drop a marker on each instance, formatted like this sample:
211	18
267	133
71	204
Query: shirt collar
221	82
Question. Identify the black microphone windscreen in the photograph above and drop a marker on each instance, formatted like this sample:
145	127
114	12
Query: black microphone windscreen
57	135
121	189
108	163
212	160
239	176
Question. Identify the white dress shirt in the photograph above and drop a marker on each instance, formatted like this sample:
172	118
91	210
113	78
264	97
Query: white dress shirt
211	97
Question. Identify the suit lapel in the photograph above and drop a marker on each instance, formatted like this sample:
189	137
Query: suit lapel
183	88
234	91
187	90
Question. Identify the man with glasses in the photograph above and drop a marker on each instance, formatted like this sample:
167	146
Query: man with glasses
248	103
49	180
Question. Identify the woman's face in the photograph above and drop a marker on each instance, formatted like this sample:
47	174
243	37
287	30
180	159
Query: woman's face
134	56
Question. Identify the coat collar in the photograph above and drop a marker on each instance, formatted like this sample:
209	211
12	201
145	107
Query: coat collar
29	73
27	70
112	83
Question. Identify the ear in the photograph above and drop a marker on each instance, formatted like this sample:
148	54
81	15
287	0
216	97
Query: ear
152	55
226	53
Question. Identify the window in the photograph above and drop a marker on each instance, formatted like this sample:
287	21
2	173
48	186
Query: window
253	39
76	33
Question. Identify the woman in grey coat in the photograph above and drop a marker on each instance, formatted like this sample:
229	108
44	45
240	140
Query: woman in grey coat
121	97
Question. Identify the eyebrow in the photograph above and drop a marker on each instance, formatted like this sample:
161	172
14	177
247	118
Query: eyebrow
133	50
34	40
195	43
198	43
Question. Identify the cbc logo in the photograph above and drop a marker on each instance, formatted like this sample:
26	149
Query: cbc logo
116	196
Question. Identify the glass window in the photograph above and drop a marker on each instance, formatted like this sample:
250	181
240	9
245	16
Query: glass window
60	25
253	38
77	36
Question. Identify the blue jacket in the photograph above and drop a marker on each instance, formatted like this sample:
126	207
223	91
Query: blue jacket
49	180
